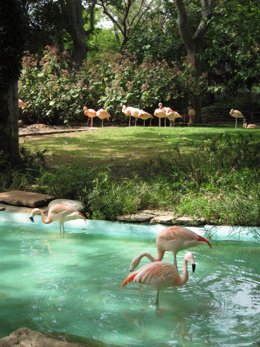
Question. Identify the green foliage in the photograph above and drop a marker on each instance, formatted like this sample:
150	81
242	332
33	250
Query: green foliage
67	183
22	176
53	92
233	38
109	199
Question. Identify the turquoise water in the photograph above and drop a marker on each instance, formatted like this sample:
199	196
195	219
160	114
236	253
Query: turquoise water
71	286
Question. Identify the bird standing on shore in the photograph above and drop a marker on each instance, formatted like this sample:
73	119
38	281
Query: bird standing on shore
159	275
90	113
236	114
172	116
103	115
160	113
144	116
131	112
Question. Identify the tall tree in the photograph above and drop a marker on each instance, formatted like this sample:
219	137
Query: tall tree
50	22
193	40
11	50
125	15
72	11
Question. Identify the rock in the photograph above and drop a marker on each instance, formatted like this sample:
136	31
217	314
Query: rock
163	219
25	337
187	220
151	216
22	198
135	218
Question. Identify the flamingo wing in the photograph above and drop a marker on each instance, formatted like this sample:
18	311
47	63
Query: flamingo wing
157	275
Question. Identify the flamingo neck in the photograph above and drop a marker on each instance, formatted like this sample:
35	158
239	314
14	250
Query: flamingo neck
43	217
185	275
145	254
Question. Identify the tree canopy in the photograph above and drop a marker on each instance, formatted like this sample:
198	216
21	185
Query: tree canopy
112	52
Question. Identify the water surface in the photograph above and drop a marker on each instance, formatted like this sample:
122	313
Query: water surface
71	285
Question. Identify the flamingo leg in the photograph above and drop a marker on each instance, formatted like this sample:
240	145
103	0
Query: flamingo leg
135	121
159	122
175	260
129	124
236	123
157	298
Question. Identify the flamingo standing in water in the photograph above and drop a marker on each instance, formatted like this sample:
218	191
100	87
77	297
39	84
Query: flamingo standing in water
60	210
159	275
173	239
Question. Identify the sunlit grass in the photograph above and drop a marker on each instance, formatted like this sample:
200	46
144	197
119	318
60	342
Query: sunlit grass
123	150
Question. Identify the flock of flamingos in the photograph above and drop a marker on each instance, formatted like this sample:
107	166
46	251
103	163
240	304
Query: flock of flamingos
161	112
136	113
156	274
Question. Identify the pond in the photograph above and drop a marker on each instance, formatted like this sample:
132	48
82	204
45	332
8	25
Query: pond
70	286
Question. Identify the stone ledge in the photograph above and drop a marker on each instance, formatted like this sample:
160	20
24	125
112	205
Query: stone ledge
161	217
22	198
25	337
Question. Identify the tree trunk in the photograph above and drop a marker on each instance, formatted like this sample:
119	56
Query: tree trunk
73	10
9	142
192	40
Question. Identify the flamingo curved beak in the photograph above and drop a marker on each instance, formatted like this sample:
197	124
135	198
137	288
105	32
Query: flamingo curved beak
193	266
31	219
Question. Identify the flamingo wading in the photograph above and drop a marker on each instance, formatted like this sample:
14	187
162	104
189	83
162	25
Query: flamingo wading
173	239
60	210
159	275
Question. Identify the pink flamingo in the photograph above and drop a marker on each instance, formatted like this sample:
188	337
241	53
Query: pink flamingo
60	210
160	113
173	239
90	113
159	275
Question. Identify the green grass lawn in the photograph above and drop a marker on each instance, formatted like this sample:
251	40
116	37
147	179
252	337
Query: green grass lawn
125	151
198	171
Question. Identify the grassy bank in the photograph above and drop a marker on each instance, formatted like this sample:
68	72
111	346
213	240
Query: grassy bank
202	172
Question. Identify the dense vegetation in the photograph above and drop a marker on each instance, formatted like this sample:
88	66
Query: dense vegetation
202	172
139	60
203	53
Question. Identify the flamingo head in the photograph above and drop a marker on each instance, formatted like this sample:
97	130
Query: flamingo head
35	211
134	264
82	216
160	105
190	258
